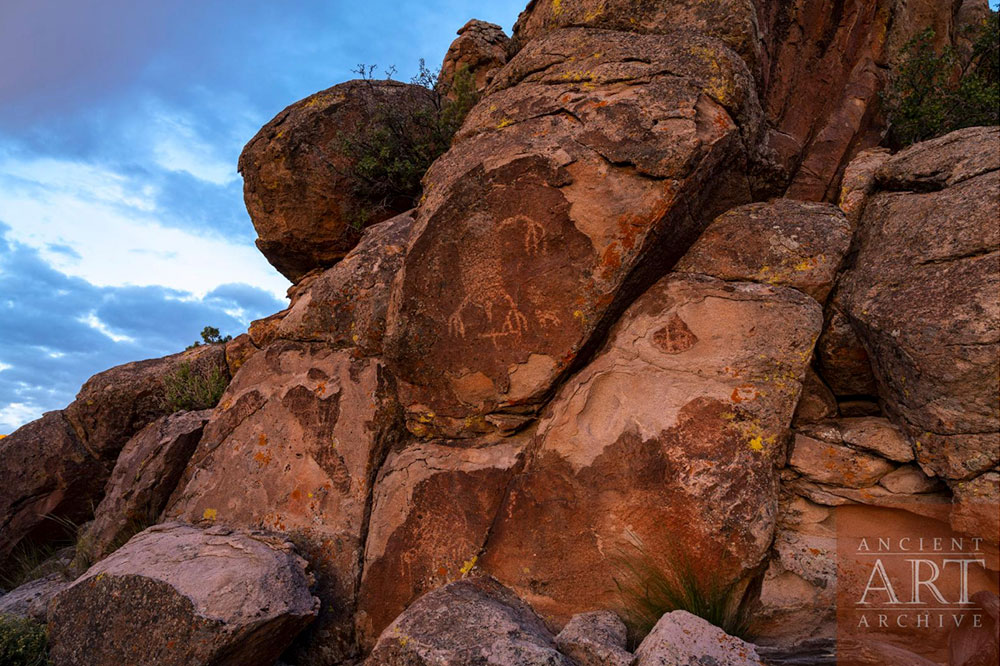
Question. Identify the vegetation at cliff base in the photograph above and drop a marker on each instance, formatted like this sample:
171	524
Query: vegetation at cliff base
389	156
931	92
189	388
23	642
210	335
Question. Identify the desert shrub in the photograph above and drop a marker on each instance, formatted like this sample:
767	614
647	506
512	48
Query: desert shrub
651	587
210	336
932	92
189	388
388	156
23	642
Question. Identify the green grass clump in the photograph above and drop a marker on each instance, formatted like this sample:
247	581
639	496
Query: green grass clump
651	587
23	642
190	389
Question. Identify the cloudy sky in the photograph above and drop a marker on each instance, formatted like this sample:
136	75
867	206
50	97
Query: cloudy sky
122	226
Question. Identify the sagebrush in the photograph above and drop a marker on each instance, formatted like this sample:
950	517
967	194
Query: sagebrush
388	156
189	388
932	92
23	642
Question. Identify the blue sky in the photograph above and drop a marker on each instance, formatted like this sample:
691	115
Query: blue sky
122	225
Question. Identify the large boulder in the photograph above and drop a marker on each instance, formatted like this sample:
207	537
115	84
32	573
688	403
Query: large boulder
32	599
296	174
570	188
784	242
432	510
143	479
301	433
345	306
682	638
46	471
467	623
479	52
178	595
671	437
922	295
597	638
115	404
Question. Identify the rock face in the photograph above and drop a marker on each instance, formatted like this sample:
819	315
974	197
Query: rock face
179	595
46	471
922	294
32	599
302	432
682	638
432	510
480	50
346	305
784	242
145	475
468	622
598	638
294	171
600	166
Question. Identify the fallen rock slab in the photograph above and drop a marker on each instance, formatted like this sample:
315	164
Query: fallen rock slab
176	595
32	599
682	638
467	623
597	638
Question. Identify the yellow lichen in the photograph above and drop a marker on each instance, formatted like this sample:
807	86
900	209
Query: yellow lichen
505	122
557	7
467	566
210	514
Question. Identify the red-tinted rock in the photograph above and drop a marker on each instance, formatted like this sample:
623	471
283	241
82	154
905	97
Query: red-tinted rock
922	294
842	359
345	306
46	471
479	52
567	189
295	172
817	402
783	242
301	433
433	507
176	596
146	473
670	436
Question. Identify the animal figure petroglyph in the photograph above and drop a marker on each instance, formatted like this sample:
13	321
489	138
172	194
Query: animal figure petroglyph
482	280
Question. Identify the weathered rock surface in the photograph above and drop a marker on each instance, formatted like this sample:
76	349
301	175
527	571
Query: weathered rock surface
682	638
922	294
301	432
465	623
909	480
46	471
859	182
784	242
480	50
613	180
817	402
345	306
32	599
975	508
432	510
114	405
597	638
841	358
977	646
295	174
145	475
176	594
671	435
835	464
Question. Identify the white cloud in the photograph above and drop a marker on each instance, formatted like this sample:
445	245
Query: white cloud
15	414
114	226
92	321
178	147
4	366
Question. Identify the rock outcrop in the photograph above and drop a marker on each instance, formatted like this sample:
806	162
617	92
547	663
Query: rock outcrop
178	595
479	52
143	479
302	431
295	172
598	638
922	295
32	599
613	182
474	621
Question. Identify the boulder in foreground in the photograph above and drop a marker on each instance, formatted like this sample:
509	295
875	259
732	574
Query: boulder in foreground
178	595
682	638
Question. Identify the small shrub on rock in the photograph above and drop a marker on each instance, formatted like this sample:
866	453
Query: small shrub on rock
23	642
932	93
190	389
